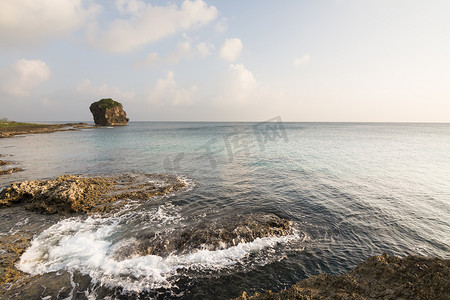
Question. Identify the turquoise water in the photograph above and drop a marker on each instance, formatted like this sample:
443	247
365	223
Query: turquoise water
351	191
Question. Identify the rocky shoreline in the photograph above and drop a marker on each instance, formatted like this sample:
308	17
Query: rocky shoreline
82	194
379	277
11	131
74	194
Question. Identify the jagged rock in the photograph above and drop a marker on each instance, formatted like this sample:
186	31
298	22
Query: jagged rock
10	171
11	247
379	277
70	194
211	235
108	112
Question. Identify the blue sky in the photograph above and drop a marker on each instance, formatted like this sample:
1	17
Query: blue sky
194	60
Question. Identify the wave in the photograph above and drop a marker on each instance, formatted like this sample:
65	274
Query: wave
90	246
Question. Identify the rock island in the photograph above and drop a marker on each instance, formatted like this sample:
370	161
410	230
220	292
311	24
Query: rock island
107	112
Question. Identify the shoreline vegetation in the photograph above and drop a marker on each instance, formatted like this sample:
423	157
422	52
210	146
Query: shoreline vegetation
12	128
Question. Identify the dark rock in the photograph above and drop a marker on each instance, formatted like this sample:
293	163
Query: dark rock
379	277
10	171
108	112
53	285
212	235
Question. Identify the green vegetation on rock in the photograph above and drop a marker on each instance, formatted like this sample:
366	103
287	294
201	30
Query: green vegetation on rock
4	124
106	103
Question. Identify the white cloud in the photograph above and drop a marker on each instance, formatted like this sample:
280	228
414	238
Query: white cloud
183	50
239	86
147	23
205	49
221	26
166	90
85	87
24	76
25	22
231	49
130	6
301	61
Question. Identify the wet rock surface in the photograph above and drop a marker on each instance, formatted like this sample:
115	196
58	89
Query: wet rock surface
4	162
10	171
211	235
11	248
55	285
78	194
108	112
379	277
4	171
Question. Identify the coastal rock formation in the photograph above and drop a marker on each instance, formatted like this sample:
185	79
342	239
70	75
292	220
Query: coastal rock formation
14	128
10	170
71	194
108	112
11	248
211	235
379	277
4	162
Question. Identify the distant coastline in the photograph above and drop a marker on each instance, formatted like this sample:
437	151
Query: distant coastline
10	128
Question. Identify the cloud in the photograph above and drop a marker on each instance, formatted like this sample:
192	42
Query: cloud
231	49
85	87
183	50
24	76
25	22
301	61
239	86
166	90
130	6
221	26
146	23
205	49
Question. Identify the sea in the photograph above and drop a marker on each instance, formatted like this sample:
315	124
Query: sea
350	190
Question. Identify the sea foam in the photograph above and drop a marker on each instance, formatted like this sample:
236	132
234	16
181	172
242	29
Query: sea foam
89	246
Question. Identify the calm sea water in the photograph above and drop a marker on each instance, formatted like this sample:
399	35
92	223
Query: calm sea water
351	191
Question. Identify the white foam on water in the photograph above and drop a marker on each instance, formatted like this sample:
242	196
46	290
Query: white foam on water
190	184
87	246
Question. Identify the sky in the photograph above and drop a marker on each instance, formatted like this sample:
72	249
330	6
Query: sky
200	60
